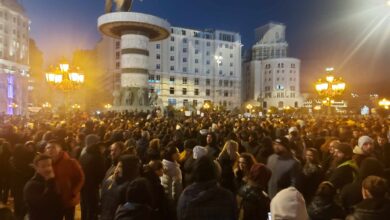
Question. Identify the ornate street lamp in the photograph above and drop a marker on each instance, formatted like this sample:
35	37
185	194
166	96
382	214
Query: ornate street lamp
108	107
330	88
65	78
249	107
384	103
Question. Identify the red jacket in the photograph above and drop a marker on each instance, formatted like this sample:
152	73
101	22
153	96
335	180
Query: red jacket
69	179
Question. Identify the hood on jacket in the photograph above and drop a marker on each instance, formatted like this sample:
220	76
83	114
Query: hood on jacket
289	204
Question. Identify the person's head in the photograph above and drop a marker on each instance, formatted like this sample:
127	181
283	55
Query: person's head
374	187
231	149
139	192
199	152
312	156
209	138
252	137
281	145
365	146
259	175
288	204
91	139
189	144
43	165
245	161
342	152
370	167
170	153
30	146
128	168
204	170
326	190
382	139
116	150
53	149
154	144
156	166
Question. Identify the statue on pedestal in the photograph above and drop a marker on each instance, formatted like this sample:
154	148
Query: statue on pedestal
121	5
117	97
141	96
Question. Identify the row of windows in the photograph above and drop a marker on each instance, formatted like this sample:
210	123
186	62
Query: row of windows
185	70
280	65
172	101
184	91
279	79
277	71
279	87
280	95
196	42
15	19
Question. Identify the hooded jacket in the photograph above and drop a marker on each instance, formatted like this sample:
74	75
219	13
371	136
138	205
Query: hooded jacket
172	180
371	209
133	211
206	201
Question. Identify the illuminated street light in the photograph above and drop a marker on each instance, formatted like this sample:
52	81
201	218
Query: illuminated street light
206	105
46	105
384	103
76	106
249	107
330	88
65	78
108	106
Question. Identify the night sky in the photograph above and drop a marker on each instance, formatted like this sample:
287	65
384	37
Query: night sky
351	35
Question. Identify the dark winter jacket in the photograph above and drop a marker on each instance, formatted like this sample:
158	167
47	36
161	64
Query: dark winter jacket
113	195
206	201
132	211
254	202
93	164
324	209
371	209
42	200
227	174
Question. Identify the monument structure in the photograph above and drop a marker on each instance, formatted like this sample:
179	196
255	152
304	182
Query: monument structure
135	30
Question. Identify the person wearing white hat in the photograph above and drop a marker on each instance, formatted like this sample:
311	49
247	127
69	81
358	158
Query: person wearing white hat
364	149
289	204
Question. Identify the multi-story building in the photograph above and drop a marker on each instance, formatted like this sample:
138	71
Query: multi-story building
14	41
187	69
270	76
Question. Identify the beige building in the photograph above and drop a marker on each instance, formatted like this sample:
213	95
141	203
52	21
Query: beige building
14	41
187	69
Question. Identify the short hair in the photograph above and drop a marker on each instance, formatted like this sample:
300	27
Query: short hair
204	170
168	151
376	186
54	141
40	157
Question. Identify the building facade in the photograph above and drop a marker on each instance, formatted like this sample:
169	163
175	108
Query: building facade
270	76
189	68
14	50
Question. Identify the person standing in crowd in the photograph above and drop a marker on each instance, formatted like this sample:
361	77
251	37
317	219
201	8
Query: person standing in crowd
152	172
172	177
245	163
323	205
212	146
139	201
93	165
364	149
205	199
227	159
116	150
69	178
114	188
375	205
285	168
43	202
254	203
346	169
312	174
21	172
5	170
383	150
351	194
288	204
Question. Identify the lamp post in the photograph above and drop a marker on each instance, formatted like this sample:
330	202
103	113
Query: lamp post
330	88
65	78
249	107
14	106
108	107
384	103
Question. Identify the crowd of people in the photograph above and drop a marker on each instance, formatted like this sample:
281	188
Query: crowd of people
218	166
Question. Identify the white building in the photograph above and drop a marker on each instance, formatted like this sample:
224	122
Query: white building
14	41
188	68
270	76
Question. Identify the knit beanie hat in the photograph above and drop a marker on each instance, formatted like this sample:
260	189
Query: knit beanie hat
362	140
289	204
199	152
259	174
344	148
